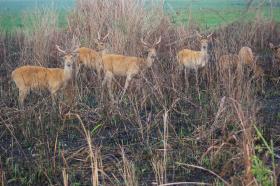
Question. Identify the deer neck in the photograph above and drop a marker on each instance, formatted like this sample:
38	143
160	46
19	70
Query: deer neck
104	51
67	73
149	61
204	54
204	51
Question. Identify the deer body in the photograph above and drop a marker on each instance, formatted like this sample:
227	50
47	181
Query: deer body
192	59
90	59
229	61
235	63
246	56
29	78
127	66
120	65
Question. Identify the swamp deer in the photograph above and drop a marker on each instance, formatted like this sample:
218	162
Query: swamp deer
192	59
127	66
233	64
245	57
28	78
90	58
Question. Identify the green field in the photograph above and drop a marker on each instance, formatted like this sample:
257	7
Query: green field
205	12
216	12
14	13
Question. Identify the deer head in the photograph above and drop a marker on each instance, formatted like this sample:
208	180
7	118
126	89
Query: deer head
100	41
204	40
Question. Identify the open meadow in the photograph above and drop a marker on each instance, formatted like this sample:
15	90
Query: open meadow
206	115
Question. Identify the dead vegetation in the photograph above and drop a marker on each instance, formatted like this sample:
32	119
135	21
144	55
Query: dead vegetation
160	133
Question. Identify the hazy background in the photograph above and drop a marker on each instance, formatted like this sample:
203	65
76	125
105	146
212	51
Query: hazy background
207	12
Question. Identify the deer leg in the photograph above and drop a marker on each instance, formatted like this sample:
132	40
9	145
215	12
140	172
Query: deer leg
128	79
105	79
78	67
69	94
186	77
21	97
102	85
53	95
99	69
109	84
98	74
108	79
197	83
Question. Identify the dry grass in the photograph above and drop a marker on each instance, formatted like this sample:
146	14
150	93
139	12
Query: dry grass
157	128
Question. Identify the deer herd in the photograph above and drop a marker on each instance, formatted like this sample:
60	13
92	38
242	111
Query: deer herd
30	78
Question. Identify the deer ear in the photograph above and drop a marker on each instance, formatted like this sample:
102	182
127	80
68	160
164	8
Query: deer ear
271	46
146	48
96	41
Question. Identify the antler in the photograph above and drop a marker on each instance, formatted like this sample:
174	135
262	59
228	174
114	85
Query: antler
144	43
210	35
159	40
198	34
59	49
105	37
99	36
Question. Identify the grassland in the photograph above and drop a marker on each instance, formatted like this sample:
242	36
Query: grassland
207	13
217	12
14	13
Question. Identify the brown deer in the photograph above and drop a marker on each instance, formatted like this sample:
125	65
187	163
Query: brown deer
29	78
127	66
